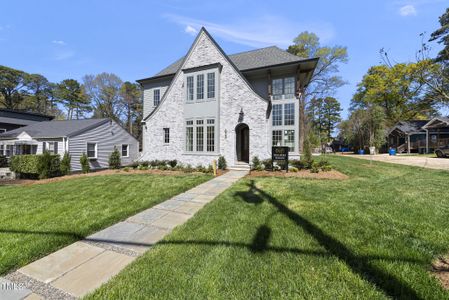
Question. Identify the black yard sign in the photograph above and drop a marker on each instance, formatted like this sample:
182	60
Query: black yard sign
280	155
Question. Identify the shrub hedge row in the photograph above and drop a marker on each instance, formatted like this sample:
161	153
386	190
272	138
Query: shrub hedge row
36	166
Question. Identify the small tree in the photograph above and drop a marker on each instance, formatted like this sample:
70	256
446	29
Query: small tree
84	160
114	159
222	165
307	151
65	164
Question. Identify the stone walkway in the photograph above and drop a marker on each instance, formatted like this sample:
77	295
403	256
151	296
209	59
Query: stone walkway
80	268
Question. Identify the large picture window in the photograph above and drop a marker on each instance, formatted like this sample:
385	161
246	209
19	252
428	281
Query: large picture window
92	150
283	88
289	114
200	135
277	114
201	85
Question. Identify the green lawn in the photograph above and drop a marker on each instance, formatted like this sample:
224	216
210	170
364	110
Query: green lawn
39	219
371	236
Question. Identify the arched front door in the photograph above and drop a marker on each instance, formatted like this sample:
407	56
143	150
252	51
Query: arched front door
242	142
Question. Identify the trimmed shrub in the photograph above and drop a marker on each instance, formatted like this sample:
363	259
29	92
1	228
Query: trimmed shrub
173	163
293	169
115	160
188	168
222	165
267	164
210	169
65	164
84	161
145	164
36	166
201	168
126	169
256	163
299	164
314	167
134	165
3	161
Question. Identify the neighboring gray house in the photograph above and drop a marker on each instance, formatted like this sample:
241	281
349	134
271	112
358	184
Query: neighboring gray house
208	104
11	119
95	137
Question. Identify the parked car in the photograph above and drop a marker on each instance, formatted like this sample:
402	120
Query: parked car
442	151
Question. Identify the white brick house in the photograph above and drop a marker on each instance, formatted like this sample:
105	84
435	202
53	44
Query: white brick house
208	104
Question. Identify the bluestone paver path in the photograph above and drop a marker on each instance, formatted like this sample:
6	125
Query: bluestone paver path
80	268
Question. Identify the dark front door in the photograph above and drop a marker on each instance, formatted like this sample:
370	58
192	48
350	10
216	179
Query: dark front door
242	143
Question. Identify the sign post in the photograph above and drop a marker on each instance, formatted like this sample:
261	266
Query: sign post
280	154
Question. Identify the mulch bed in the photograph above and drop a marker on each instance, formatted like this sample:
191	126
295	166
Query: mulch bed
440	269
333	174
98	173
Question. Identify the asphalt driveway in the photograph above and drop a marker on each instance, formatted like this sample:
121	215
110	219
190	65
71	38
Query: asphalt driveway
411	160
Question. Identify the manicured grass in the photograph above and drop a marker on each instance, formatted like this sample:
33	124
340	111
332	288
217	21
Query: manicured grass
372	236
39	219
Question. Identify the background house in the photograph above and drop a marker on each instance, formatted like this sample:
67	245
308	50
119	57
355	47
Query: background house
95	137
12	119
419	136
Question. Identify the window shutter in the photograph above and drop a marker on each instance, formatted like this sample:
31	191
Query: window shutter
56	147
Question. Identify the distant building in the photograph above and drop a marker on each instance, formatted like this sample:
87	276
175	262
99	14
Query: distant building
12	119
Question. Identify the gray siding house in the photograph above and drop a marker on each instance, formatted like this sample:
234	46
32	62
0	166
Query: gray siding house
95	137
208	104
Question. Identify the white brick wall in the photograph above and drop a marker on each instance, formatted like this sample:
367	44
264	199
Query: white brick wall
234	95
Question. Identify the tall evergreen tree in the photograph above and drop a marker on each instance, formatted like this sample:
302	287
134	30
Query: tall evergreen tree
71	95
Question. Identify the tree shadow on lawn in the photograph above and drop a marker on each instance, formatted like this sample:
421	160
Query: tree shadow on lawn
389	284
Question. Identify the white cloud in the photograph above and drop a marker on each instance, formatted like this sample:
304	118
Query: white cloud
61	43
407	10
190	30
259	32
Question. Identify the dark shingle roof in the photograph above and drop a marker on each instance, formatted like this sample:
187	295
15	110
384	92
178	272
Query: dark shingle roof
410	126
55	128
253	59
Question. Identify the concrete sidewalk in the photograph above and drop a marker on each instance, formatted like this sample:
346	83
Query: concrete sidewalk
80	268
409	160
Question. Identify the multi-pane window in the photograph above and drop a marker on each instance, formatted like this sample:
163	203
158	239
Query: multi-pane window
125	150
210	85
283	88
200	86
277	138
156	97
289	114
51	147
199	135
190	88
289	139
189	135
210	135
91	150
277	114
9	150
2	149
166	135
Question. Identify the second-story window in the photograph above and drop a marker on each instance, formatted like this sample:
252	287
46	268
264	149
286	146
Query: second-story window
190	88
200	86
283	88
210	85
156	97
277	115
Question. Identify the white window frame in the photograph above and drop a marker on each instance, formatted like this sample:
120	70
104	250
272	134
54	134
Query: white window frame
96	150
205	123
2	149
51	146
205	85
127	150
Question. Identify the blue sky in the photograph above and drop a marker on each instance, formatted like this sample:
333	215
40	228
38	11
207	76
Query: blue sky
135	39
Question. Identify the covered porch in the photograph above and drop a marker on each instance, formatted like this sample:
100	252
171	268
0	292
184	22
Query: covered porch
18	147
437	131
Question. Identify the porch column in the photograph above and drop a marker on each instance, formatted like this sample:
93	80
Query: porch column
408	142
427	141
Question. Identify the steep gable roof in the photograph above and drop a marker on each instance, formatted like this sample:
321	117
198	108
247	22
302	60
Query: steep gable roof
244	61
203	30
55	129
410	126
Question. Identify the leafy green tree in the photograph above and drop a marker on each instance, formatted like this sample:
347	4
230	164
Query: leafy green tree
13	84
131	97
398	89
324	115
325	80
71	95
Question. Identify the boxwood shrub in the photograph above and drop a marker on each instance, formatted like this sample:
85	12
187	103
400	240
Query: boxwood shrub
36	166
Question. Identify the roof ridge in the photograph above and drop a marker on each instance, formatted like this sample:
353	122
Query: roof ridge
253	50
